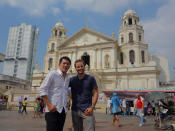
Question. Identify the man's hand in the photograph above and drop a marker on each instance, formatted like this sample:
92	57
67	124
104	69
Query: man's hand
52	108
88	111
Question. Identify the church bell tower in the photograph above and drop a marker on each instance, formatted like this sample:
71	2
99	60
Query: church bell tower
133	50
58	36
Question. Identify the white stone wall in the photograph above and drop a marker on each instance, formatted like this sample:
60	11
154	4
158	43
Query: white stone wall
162	65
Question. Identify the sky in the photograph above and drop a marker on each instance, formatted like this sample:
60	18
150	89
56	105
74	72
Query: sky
104	16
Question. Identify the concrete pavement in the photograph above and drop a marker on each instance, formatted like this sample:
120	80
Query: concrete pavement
12	121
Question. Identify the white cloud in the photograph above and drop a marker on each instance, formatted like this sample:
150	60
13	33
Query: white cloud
160	32
33	7
100	6
56	11
41	7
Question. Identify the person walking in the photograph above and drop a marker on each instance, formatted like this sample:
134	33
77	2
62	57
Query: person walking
139	107
24	105
84	91
108	110
19	104
115	104
36	108
145	108
124	106
153	107
54	94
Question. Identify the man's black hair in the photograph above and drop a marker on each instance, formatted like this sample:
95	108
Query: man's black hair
65	58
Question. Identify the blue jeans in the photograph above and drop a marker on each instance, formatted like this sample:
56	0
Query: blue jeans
124	112
140	115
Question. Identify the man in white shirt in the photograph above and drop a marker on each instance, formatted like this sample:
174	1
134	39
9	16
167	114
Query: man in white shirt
54	91
124	106
108	110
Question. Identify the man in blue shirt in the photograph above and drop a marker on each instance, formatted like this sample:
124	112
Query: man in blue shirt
115	104
83	88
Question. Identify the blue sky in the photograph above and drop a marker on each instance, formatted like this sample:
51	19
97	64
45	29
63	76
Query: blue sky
156	16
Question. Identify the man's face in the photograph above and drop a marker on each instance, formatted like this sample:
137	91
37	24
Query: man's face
64	65
79	66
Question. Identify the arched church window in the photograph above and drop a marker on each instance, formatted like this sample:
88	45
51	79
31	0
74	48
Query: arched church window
86	58
52	46
132	56
130	21
50	63
60	33
107	64
122	39
121	57
143	56
130	37
140	37
55	32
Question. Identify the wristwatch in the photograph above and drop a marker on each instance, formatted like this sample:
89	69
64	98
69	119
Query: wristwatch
92	106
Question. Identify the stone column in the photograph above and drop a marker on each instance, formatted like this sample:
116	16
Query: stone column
95	61
76	53
115	58
100	58
72	61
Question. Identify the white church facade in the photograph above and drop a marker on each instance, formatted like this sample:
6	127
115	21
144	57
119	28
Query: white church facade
116	64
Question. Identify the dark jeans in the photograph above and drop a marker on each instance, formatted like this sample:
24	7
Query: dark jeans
145	111
55	120
24	109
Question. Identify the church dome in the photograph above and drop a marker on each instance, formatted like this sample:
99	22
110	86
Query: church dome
59	24
130	13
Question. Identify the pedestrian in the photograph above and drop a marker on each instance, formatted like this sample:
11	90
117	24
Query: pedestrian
145	108
36	108
156	112
54	94
84	91
149	109
153	108
115	104
19	104
24	105
41	106
128	110
139	107
108	110
124	106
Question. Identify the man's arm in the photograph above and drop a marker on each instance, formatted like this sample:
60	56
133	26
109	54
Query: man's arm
95	98
142	104
43	91
89	110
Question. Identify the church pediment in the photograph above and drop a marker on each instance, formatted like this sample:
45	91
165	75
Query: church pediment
86	37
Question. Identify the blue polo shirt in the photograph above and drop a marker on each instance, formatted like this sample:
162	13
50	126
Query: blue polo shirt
82	92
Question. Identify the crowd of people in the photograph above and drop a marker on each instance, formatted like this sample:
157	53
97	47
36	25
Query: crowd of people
38	106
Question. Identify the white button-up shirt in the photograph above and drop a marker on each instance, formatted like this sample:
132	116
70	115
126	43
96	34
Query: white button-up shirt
55	87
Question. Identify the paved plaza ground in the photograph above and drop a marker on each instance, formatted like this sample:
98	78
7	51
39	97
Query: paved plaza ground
12	121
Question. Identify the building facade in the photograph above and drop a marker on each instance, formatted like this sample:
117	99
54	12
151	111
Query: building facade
116	64
21	51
